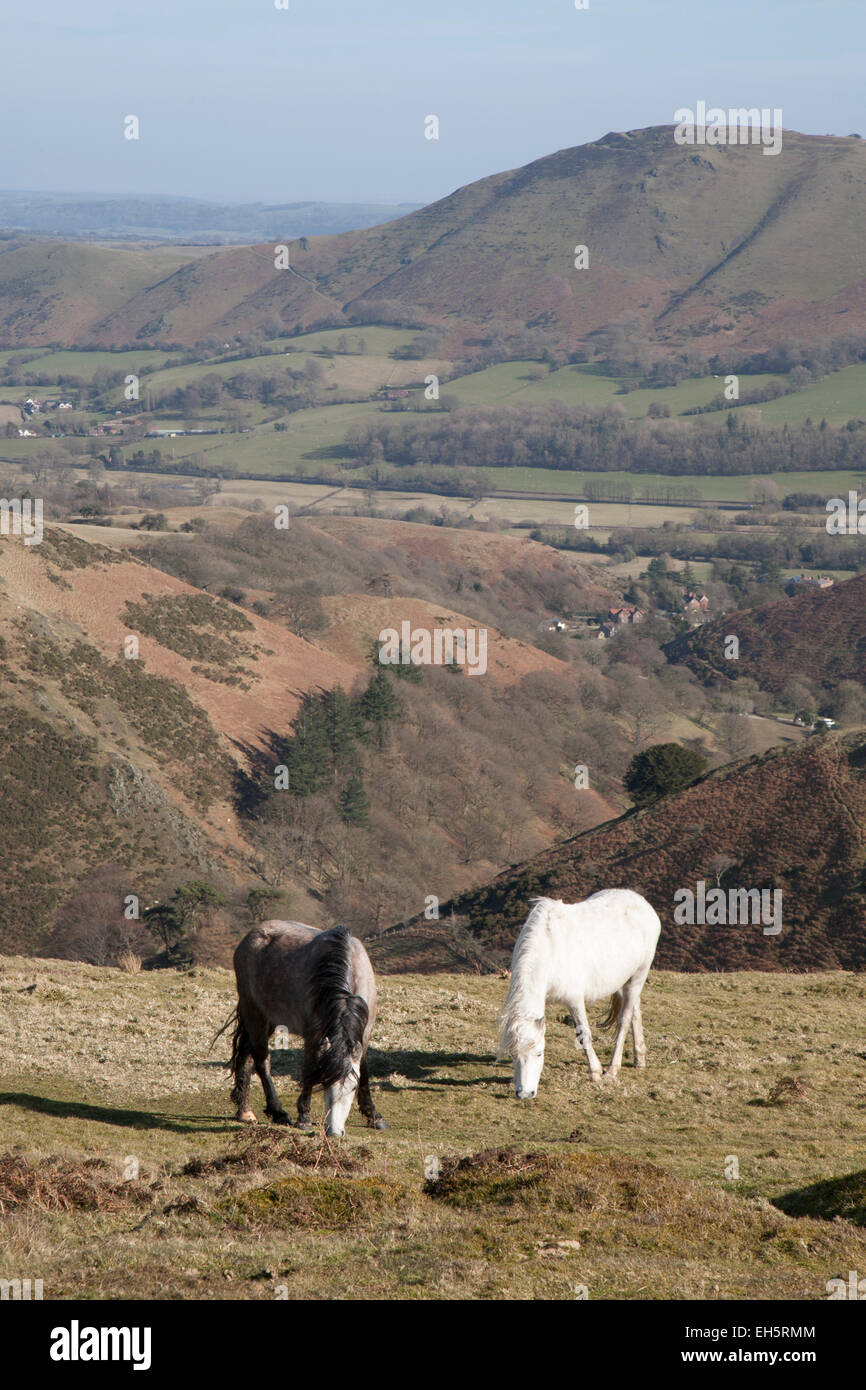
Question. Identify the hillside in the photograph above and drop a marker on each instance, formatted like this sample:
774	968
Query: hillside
792	820
819	634
132	763
124	1175
129	775
719	247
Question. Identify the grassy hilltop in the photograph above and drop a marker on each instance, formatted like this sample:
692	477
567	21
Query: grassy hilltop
719	246
619	1189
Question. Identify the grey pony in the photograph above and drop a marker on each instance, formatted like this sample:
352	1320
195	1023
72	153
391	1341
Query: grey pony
319	985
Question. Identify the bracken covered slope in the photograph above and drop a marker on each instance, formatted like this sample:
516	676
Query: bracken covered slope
820	634
793	820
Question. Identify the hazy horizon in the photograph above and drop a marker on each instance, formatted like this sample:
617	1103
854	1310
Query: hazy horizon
320	103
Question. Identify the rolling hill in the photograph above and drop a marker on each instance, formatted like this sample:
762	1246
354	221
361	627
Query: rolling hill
819	634
714	248
149	769
792	820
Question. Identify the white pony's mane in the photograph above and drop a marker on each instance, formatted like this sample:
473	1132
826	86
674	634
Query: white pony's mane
519	1027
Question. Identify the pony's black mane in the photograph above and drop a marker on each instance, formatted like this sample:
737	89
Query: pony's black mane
341	1015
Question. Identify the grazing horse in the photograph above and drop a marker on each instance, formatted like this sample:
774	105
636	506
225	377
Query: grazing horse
320	985
574	953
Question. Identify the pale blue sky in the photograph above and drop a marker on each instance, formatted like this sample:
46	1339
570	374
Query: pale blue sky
239	100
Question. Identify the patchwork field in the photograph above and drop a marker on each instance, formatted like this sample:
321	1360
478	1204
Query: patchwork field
123	1173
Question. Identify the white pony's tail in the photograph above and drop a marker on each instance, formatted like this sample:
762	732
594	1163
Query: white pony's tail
612	1014
518	1017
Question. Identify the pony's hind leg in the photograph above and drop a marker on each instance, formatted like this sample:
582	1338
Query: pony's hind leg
259	1030
242	1066
584	1039
637	1035
630	997
365	1100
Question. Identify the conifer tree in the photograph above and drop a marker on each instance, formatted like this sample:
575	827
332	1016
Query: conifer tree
354	806
308	756
378	704
344	726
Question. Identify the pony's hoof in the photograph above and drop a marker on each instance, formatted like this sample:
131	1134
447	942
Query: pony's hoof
596	1077
279	1117
246	1117
304	1122
381	1124
610	1075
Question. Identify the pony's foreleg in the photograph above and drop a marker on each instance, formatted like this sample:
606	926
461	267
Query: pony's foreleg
637	1035
365	1100
242	1067
584	1039
306	1087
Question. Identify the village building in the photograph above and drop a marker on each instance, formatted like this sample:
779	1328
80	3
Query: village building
821	581
696	603
618	618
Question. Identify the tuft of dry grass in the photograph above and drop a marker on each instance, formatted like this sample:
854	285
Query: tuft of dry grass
786	1088
59	1184
264	1147
130	962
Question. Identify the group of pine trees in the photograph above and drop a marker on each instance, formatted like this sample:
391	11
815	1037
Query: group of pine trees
328	734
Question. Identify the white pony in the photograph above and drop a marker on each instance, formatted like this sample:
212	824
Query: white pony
574	954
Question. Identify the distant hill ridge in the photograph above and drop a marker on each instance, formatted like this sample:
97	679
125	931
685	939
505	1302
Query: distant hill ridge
714	246
93	215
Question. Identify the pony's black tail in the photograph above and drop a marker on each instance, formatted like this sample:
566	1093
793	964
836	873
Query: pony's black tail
240	1040
232	1019
342	1016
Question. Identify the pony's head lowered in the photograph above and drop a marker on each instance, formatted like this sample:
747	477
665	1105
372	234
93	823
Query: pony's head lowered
523	1039
522	1035
342	1018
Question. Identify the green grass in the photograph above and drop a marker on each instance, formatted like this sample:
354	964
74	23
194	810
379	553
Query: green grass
312	443
510	383
838	398
710	488
625	1188
68	362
